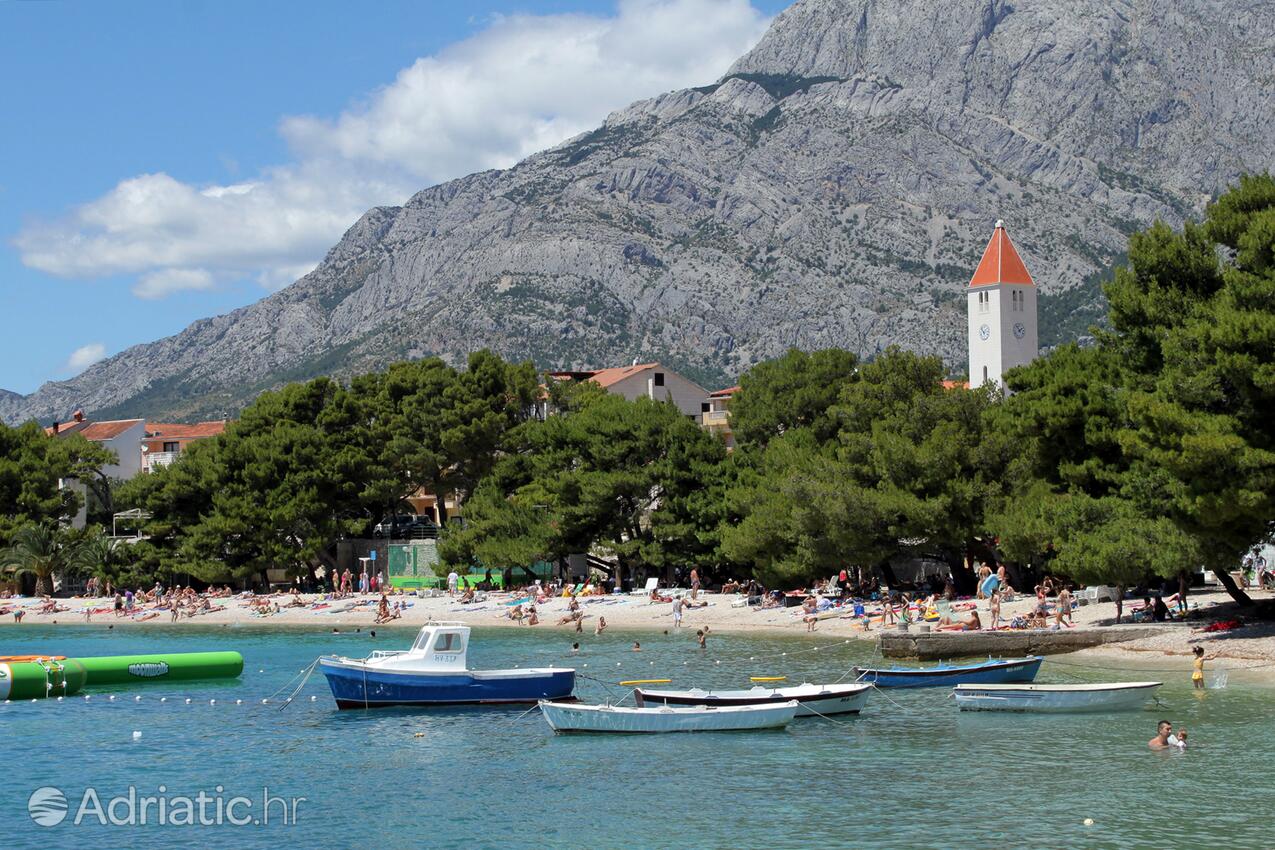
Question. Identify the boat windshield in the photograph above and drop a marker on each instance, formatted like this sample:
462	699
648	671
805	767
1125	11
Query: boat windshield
449	642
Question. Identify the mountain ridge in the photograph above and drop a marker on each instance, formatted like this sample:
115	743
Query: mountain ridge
834	187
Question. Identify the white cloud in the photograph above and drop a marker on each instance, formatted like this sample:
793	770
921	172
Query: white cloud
162	283
523	84
85	356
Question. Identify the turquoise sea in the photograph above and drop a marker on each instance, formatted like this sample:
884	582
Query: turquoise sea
911	772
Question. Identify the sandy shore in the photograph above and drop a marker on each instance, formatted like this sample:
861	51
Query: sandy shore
1250	646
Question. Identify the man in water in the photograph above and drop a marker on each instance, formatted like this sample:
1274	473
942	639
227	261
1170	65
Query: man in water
1164	737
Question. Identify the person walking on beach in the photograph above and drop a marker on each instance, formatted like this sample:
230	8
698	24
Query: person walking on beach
995	607
694	583
452	581
677	612
1064	608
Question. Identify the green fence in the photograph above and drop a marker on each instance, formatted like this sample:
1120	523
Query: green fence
411	566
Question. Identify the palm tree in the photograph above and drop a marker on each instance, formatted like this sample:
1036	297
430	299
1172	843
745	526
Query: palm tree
98	555
40	549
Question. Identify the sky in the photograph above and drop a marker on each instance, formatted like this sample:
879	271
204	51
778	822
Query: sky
166	160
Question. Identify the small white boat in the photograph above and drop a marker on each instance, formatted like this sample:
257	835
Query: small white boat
1116	696
434	672
813	700
569	717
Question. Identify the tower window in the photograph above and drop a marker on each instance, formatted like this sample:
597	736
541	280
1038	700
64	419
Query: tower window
985	374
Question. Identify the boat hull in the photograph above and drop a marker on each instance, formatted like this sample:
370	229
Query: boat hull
564	718
1055	699
986	673
812	701
363	686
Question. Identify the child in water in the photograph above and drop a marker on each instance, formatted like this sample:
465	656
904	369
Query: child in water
1197	675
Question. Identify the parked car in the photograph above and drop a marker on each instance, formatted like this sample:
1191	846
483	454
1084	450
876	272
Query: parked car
421	528
394	526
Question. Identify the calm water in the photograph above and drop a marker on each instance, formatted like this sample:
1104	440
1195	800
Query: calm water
910	772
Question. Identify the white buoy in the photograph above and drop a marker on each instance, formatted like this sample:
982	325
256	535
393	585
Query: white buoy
238	702
111	698
137	736
264	701
1088	821
33	699
312	699
59	699
719	662
163	699
261	671
87	697
137	699
212	702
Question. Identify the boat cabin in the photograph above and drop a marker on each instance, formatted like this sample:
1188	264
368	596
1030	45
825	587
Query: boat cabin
442	645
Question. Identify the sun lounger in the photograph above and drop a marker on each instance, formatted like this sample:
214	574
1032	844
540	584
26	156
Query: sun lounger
651	584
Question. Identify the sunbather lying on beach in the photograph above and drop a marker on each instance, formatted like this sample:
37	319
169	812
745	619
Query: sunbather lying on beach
969	624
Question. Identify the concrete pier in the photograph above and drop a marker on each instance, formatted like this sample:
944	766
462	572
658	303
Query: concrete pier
932	646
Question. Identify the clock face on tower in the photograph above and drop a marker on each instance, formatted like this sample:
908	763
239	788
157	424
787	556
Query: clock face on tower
984	332
1019	329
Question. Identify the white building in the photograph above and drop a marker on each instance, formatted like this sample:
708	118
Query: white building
1002	313
122	436
646	379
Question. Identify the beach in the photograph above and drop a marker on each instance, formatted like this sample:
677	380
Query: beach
1250	646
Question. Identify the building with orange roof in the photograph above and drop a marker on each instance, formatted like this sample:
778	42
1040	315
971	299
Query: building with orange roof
1001	306
165	441
650	380
715	416
122	436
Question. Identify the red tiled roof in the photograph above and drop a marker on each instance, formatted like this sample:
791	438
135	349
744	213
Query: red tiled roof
1001	263
99	431
726	393
955	385
178	431
604	377
607	377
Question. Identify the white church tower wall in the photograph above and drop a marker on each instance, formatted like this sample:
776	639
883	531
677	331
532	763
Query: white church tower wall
1001	305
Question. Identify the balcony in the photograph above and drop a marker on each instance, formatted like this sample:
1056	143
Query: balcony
717	418
154	460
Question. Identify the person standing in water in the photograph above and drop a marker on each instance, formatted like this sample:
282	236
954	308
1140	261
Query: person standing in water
1197	674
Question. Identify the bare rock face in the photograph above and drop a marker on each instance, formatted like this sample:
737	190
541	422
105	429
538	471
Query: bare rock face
836	187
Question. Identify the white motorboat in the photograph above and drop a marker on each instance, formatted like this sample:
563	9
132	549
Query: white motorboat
569	717
1115	696
434	673
813	700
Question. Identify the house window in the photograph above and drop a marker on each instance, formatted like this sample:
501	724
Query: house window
704	407
659	379
172	447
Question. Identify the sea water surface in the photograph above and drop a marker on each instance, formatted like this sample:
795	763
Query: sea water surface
911	772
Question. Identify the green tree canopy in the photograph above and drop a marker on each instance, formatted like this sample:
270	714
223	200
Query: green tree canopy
796	390
611	474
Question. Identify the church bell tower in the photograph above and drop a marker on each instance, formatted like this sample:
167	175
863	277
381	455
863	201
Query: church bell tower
1002	313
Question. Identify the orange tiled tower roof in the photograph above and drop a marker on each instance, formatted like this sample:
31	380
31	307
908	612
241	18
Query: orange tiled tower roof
1001	263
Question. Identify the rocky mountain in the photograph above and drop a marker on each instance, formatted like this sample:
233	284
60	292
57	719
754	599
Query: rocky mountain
835	187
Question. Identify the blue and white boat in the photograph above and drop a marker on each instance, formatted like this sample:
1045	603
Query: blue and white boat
434	673
993	671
